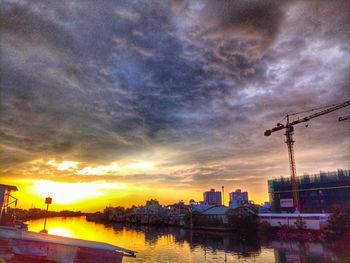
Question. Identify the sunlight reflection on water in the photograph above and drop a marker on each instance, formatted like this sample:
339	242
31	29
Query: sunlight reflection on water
164	244
151	244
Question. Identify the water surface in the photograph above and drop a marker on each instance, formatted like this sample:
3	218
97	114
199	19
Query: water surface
163	244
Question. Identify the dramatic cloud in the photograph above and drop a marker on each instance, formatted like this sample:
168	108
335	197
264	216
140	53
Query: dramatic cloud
104	90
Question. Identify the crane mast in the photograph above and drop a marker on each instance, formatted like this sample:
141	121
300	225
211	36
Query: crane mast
293	173
289	127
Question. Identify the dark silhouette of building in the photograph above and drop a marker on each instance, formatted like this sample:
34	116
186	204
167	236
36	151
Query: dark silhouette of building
212	197
317	193
238	198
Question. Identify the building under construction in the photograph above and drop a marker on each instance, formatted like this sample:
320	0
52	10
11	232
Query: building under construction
317	193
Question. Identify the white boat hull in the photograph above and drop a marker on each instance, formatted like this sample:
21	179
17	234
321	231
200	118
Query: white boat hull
59	249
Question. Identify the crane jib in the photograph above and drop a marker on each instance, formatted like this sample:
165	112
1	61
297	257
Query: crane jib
289	141
307	118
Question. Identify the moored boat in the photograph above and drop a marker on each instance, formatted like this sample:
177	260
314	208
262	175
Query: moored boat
52	248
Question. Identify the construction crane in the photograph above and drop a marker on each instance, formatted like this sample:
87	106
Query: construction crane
344	118
289	127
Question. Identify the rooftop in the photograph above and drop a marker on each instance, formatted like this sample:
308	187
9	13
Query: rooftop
217	210
339	175
9	187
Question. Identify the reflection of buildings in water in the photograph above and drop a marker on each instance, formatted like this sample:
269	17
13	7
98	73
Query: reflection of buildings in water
153	233
302	252
117	228
230	244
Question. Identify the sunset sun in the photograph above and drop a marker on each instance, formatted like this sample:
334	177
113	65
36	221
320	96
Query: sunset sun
65	193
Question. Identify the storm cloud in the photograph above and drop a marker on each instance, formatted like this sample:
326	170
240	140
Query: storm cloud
188	85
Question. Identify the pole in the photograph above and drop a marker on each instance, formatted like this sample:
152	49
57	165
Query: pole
48	201
47	210
223	195
293	173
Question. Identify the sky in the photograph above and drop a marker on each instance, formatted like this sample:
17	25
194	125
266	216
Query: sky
116	102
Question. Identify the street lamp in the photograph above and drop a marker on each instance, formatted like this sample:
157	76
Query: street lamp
48	201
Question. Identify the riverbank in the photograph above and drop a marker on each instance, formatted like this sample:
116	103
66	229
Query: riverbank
247	223
242	220
242	225
37	213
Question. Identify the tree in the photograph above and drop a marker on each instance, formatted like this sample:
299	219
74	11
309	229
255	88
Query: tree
338	223
300	224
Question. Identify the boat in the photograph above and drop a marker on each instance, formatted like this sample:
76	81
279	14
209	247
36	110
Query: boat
17	241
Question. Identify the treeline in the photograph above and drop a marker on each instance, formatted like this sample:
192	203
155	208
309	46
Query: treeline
35	213
241	220
244	221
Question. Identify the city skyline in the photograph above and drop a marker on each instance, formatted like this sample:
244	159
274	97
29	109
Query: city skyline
120	102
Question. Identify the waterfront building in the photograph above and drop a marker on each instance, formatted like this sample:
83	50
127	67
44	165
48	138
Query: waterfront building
318	193
238	198
200	207
6	199
178	208
153	204
212	197
312	220
192	201
218	212
265	208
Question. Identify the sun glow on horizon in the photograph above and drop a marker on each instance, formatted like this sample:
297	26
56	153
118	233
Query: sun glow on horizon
76	185
65	193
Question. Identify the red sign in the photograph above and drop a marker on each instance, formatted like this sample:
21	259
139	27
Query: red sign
48	200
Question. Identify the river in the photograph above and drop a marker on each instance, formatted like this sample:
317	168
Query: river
163	244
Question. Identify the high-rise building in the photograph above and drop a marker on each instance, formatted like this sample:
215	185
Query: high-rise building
212	197
317	193
238	198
